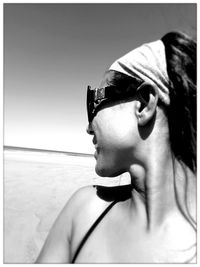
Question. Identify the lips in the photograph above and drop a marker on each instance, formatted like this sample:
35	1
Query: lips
94	140
97	149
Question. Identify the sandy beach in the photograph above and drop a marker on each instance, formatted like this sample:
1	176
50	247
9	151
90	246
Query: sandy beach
37	184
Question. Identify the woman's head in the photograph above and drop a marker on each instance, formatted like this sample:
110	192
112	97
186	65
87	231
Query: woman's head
114	133
167	68
121	123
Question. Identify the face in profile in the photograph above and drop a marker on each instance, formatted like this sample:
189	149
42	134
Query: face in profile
115	133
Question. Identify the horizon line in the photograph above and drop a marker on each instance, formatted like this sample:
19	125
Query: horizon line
48	150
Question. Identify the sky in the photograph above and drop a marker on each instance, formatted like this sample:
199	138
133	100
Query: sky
53	51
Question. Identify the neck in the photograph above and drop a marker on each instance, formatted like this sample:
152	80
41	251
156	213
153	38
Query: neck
153	183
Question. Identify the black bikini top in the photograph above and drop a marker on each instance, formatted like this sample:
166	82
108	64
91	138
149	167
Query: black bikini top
92	229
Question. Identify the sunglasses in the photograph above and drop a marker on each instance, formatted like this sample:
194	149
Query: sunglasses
98	96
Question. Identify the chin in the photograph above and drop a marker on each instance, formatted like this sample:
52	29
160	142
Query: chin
100	171
107	172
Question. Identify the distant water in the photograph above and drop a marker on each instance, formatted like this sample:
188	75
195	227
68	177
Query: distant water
13	148
48	156
31	154
74	163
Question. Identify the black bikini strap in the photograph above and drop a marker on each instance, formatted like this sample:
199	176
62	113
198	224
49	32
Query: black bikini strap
92	229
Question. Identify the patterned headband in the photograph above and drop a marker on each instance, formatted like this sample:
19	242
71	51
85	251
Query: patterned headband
149	63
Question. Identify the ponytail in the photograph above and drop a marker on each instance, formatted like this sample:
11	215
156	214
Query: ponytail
181	67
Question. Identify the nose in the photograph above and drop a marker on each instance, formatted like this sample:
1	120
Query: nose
89	129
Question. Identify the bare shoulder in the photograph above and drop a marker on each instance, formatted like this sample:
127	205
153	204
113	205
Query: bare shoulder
78	201
76	217
57	247
83	204
79	198
79	206
91	200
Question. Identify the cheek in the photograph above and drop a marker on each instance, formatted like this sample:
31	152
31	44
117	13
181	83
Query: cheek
122	132
117	138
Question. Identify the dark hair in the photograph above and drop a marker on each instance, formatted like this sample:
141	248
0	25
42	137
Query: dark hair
180	52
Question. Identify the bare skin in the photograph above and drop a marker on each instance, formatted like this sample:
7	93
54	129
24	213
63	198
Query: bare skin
149	225
170	241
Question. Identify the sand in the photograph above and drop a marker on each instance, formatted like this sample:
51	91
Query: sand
36	187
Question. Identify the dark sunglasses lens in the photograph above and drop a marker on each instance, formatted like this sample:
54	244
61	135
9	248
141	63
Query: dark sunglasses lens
89	103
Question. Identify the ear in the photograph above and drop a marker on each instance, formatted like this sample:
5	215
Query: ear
147	97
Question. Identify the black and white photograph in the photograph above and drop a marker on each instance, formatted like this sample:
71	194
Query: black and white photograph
99	133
